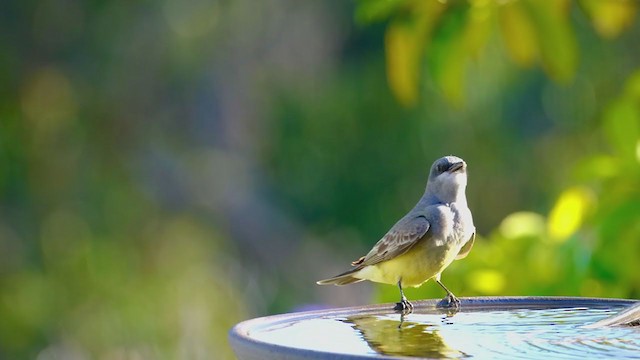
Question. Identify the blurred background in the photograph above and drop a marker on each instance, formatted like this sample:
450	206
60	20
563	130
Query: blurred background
169	168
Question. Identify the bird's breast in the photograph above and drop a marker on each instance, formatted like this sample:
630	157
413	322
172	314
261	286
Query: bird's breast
443	225
463	226
424	261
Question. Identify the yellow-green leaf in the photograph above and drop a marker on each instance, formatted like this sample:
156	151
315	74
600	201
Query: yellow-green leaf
558	47
449	54
622	127
518	33
404	51
610	17
487	281
632	87
569	212
522	224
597	167
406	41
479	25
368	11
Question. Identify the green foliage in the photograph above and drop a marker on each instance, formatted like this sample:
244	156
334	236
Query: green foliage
152	292
587	242
586	245
451	33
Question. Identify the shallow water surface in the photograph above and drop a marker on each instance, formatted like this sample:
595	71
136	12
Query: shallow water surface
554	333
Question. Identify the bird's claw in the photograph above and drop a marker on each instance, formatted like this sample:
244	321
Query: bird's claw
404	306
450	301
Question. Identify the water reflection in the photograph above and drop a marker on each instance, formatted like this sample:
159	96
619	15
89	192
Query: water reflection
505	333
387	336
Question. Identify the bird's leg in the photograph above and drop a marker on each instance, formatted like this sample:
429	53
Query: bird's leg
402	315
450	301
404	305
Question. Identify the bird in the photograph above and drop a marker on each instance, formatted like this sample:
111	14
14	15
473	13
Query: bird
438	230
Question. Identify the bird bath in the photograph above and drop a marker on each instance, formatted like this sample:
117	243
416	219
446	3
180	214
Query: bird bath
497	328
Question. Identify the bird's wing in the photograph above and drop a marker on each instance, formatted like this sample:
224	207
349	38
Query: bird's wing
396	242
466	248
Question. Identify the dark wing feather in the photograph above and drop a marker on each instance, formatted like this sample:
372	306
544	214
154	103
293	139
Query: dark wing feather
396	242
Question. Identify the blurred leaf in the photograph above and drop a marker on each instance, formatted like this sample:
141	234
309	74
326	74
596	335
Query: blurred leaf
620	219
486	281
544	264
48	103
479	26
615	258
632	87
449	54
569	212
462	34
558	47
403	50
610	17
597	167
519	33
622	127
405	44
532	30
369	11
522	224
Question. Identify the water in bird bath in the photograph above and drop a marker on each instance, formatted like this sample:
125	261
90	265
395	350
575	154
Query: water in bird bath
508	333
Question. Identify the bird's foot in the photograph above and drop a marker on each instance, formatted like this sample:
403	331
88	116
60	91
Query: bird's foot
404	306
449	301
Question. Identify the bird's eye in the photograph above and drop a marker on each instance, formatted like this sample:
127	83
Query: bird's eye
442	168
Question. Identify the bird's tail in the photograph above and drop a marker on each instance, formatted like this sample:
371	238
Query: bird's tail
342	279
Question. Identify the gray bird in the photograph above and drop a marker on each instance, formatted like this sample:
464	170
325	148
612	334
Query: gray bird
437	231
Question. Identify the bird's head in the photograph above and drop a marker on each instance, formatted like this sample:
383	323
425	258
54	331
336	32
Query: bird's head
448	179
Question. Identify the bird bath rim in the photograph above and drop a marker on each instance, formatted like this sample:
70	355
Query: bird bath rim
248	347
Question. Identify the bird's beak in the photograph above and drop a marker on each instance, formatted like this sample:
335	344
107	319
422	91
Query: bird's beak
455	167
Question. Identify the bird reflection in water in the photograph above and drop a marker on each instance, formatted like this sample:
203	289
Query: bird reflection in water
403	337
